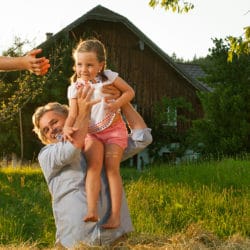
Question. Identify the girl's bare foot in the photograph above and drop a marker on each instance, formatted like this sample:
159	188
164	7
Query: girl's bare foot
91	217
113	222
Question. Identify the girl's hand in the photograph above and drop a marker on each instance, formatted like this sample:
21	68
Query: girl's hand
67	132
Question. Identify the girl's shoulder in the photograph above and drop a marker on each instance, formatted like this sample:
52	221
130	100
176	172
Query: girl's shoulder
111	75
72	90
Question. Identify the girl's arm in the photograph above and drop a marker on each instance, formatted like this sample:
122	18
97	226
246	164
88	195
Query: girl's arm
127	94
68	126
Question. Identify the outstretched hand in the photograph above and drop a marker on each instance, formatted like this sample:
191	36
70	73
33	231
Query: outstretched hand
38	66
84	100
84	104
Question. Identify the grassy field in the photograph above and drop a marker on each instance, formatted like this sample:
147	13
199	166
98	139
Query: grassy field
192	206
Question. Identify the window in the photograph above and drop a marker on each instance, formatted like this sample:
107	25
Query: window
171	117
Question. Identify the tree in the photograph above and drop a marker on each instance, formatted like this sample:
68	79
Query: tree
167	114
178	6
21	93
17	88
176	59
239	45
225	129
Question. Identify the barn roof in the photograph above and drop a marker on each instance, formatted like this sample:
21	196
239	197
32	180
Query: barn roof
195	72
103	14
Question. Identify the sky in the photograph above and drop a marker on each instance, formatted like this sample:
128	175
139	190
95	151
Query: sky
187	35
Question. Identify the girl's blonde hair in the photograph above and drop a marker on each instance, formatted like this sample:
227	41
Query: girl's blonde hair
91	45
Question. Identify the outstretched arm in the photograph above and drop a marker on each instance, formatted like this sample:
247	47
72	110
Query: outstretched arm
80	126
38	66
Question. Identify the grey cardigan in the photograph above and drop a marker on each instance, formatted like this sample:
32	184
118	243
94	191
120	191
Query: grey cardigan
64	169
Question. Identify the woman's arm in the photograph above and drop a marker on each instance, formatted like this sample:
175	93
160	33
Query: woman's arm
84	105
38	66
140	136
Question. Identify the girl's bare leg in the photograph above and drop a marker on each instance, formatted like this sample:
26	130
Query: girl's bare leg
134	119
93	181
113	154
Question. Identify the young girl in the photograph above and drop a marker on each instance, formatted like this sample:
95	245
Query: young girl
107	132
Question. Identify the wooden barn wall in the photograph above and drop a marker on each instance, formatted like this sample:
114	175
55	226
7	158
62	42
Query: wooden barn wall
150	76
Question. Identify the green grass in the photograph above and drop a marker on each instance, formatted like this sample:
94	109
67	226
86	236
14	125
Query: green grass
163	201
25	207
167	199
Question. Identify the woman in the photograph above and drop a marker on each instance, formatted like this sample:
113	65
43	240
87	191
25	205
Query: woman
64	168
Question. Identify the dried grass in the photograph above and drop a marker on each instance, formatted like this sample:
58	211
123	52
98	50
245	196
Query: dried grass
194	238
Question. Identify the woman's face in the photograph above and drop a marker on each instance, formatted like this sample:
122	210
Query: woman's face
51	125
87	66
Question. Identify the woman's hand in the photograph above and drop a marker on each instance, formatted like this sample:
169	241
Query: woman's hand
38	66
111	91
84	104
84	99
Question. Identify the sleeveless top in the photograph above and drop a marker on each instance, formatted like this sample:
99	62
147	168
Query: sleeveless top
100	118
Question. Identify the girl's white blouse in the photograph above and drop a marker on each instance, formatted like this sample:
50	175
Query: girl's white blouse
100	117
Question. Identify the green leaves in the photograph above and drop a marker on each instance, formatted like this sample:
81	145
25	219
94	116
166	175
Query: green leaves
225	128
168	114
26	90
239	46
17	88
174	5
